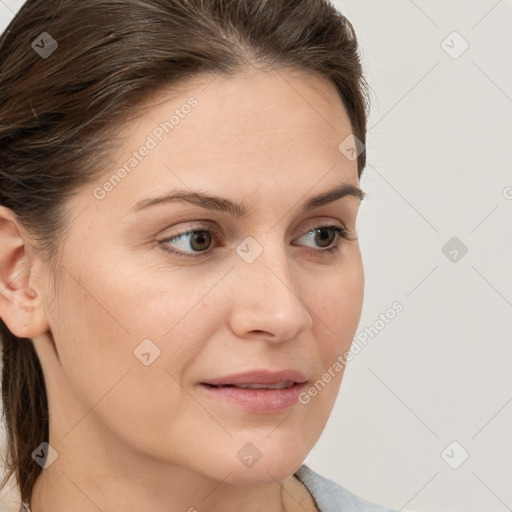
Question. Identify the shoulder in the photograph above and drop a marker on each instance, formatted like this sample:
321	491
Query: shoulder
330	496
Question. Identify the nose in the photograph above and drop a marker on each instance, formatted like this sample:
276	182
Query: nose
268	301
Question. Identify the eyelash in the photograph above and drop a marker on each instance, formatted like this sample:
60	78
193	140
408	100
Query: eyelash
341	232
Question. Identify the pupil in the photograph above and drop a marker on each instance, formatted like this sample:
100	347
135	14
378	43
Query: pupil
324	231
199	237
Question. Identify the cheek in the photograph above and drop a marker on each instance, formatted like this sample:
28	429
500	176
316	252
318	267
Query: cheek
107	322
337	306
96	334
337	309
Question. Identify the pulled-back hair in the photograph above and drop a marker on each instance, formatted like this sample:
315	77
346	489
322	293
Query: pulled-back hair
61	108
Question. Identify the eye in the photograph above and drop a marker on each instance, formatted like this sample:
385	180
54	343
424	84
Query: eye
326	235
200	240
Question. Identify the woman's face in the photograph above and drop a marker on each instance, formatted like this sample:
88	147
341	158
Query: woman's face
142	316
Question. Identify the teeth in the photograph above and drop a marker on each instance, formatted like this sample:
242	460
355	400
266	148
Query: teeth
278	385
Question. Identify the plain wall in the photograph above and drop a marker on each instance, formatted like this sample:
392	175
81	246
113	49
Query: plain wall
434	383
439	164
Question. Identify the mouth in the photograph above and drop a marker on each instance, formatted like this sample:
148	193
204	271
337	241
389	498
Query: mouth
260	378
258	391
257	398
277	385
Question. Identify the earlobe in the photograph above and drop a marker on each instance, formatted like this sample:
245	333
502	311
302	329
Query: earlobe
21	308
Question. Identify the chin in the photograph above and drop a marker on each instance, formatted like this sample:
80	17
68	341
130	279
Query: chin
260	461
267	472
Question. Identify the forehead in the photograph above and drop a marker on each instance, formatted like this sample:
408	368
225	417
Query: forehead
249	103
250	134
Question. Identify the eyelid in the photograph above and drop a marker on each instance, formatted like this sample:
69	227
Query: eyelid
192	226
317	224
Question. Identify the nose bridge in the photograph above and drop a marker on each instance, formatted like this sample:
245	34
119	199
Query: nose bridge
267	297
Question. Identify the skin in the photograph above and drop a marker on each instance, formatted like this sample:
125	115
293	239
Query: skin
124	431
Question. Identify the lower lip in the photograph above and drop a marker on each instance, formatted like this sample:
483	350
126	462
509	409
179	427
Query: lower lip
262	401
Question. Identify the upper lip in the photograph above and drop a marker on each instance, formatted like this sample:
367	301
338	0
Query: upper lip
259	377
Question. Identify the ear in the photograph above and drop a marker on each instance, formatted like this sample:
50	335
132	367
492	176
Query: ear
21	307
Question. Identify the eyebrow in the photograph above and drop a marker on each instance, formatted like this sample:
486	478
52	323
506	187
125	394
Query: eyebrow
225	205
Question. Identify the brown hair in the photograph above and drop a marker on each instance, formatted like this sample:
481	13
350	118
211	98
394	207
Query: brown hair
60	113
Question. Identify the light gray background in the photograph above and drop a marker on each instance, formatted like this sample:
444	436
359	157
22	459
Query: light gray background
439	163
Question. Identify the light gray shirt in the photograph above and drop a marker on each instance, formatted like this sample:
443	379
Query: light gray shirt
332	497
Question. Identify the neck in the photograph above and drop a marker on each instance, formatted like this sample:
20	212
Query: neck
292	497
77	482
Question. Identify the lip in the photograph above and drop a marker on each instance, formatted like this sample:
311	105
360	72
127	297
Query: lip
261	401
259	377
